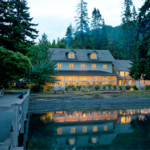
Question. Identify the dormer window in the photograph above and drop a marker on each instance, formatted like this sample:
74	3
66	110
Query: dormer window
93	56
71	55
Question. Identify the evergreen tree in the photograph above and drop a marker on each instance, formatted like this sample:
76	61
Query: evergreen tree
96	26
21	33
104	37
141	66
54	45
82	21
69	35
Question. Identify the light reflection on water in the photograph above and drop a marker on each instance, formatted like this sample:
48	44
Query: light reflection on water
91	128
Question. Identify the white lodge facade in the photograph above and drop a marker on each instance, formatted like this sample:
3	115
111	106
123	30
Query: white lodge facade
91	67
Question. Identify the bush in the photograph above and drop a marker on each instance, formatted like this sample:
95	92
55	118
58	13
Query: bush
109	85
97	87
147	87
78	86
84	86
128	87
49	87
134	87
104	86
36	88
97	95
120	87
71	86
90	86
114	86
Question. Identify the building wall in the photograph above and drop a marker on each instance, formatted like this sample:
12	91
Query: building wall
88	66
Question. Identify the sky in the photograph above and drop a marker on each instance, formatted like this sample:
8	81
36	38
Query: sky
54	16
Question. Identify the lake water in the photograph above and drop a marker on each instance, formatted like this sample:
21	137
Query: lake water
90	129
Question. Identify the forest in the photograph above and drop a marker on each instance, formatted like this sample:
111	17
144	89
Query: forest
31	60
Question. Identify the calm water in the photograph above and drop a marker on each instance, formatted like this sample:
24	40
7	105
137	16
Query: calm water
90	129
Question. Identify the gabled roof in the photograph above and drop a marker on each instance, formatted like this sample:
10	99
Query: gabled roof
82	55
70	51
122	65
93	52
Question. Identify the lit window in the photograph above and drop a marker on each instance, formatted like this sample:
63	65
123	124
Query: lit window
104	66
72	130
95	129
93	140
103	112
84	129
122	73
93	66
127	73
71	55
82	66
93	56
105	128
59	66
71	141
71	66
59	131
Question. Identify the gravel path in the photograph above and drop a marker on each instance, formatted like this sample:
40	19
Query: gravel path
53	104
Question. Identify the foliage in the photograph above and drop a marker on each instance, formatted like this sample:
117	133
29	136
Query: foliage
78	86
49	87
13	66
97	95
43	69
128	87
147	87
71	86
97	87
120	86
17	32
90	86
82	21
36	88
114	86
134	87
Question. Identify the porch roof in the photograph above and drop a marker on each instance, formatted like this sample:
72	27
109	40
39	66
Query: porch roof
84	73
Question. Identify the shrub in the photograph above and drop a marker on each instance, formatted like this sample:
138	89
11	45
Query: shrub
84	86
120	87
36	88
104	86
97	95
128	87
70	86
147	87
78	86
97	87
49	87
90	86
134	87
114	86
109	85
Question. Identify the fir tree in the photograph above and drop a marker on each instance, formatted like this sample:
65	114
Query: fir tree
69	35
96	26
21	34
82	20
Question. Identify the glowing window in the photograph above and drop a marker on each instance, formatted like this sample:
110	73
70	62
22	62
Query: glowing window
104	66
105	128
127	73
71	55
95	129
72	130
82	66
59	131
122	73
71	141
93	56
84	129
103	112
123	120
59	66
71	66
93	66
93	140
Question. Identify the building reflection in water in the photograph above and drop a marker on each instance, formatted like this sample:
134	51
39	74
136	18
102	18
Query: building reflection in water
91	128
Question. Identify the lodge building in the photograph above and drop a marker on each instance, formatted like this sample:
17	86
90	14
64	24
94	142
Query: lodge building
91	67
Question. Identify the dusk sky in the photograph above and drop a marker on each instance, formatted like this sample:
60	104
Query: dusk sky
54	16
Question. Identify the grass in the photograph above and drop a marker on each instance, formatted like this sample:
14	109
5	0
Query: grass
143	93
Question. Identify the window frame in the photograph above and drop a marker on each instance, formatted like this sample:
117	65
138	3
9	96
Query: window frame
93	66
71	55
71	66
94	56
104	66
59	66
82	66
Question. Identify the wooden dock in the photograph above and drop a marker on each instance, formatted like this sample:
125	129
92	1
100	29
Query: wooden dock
13	114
